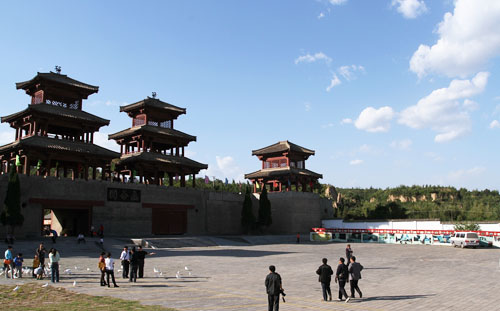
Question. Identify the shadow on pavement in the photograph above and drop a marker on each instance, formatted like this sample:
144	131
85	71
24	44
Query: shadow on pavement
402	297
227	253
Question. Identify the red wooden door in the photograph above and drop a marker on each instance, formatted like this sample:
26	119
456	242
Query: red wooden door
169	222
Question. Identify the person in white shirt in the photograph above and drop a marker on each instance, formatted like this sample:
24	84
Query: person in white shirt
110	267
125	258
54	259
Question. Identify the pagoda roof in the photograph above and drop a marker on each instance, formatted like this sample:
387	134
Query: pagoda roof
282	146
154	105
159	159
150	129
59	112
282	171
61	145
59	79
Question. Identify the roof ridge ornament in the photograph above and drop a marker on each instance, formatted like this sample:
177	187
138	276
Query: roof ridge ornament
153	94
58	69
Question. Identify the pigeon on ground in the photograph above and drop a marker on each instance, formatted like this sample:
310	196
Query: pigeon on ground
186	268
76	268
68	271
45	285
155	270
74	283
15	289
178	275
88	269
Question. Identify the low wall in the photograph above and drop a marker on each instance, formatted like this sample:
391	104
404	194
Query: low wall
208	212
399	232
402	225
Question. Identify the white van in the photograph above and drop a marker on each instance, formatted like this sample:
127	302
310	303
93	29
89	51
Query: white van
465	239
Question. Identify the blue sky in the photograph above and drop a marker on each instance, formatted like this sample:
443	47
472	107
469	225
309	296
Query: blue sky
387	92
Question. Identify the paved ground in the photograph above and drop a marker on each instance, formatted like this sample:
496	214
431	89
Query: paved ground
231	277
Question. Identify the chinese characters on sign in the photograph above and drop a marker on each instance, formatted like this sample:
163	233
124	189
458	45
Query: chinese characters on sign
124	195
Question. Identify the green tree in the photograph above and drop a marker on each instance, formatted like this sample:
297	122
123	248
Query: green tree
247	216
467	227
11	214
265	218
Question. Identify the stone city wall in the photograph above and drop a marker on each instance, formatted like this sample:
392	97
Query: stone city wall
209	212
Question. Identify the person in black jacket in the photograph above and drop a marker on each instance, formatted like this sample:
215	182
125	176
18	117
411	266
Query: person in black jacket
273	288
141	256
342	276
325	273
348	254
355	271
134	265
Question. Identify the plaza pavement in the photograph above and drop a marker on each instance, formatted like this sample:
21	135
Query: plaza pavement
230	276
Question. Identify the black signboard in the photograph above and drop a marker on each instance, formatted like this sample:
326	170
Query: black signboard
124	195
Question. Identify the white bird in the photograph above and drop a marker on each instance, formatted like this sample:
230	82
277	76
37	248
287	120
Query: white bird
120	270
161	273
68	271
88	269
186	268
189	273
76	268
156	270
178	275
15	289
45	285
74	283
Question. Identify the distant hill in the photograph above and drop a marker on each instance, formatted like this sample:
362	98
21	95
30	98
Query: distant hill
415	202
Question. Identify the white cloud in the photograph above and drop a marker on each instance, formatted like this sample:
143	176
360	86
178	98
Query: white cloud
410	8
441	110
321	15
434	156
494	124
346	121
333	83
349	72
462	174
356	162
225	167
307	107
337	2
375	120
102	140
404	144
468	39
308	58
470	105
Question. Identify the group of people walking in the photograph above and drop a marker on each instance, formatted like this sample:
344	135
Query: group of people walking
347	272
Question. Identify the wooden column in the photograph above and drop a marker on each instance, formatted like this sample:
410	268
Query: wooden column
157	180
94	173
26	168
65	171
280	186
170	180
183	180
183	151
86	172
194	180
